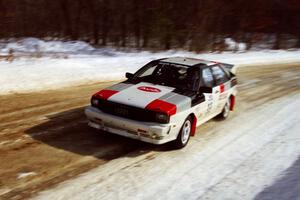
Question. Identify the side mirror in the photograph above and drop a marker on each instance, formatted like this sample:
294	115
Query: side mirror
129	75
205	89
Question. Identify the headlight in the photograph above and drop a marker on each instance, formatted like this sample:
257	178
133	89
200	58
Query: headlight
162	118
95	102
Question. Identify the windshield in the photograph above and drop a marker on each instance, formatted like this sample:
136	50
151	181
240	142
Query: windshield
169	74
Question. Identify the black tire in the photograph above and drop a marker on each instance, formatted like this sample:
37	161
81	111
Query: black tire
184	134
225	112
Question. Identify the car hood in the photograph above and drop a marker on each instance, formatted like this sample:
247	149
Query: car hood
139	95
149	96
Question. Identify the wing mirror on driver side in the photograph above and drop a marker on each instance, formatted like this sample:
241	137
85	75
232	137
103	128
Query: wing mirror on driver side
129	75
205	89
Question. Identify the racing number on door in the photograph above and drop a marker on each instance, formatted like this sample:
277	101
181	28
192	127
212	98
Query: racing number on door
207	81
210	101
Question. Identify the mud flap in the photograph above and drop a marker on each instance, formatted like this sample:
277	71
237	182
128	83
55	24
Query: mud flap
193	131
232	102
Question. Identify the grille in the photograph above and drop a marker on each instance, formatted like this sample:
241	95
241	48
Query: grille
127	111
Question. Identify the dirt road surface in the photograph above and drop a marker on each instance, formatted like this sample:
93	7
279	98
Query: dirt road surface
45	140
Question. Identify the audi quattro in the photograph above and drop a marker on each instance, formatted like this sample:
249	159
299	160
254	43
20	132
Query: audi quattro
165	100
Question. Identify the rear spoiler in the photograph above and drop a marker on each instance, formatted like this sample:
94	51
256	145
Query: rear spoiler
229	67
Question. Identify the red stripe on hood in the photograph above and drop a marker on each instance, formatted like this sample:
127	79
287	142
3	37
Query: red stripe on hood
105	94
162	106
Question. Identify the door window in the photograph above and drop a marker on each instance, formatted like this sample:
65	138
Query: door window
207	78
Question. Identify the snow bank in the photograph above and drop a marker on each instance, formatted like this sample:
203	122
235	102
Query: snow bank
86	64
234	46
32	45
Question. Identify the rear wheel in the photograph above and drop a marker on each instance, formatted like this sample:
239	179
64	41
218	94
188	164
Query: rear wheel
184	134
226	110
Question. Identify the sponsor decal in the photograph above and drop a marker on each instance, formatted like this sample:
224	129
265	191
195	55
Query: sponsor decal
149	89
222	88
209	104
223	96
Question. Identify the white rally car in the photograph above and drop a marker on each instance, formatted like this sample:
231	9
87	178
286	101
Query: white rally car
165	100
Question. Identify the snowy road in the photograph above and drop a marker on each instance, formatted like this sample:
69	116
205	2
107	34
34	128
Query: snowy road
236	161
46	146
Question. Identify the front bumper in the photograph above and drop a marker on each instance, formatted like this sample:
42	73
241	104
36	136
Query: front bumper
145	131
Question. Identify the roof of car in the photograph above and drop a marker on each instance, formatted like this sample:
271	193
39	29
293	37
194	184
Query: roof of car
187	61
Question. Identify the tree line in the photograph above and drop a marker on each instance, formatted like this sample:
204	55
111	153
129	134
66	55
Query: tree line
195	25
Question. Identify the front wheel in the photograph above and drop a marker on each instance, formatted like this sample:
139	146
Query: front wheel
184	134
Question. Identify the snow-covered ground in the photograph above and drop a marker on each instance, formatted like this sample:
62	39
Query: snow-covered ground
83	64
259	145
241	158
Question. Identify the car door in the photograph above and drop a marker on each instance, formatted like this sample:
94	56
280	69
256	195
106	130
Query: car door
207	81
221	81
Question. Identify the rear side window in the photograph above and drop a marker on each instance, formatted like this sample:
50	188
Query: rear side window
227	71
219	75
207	78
